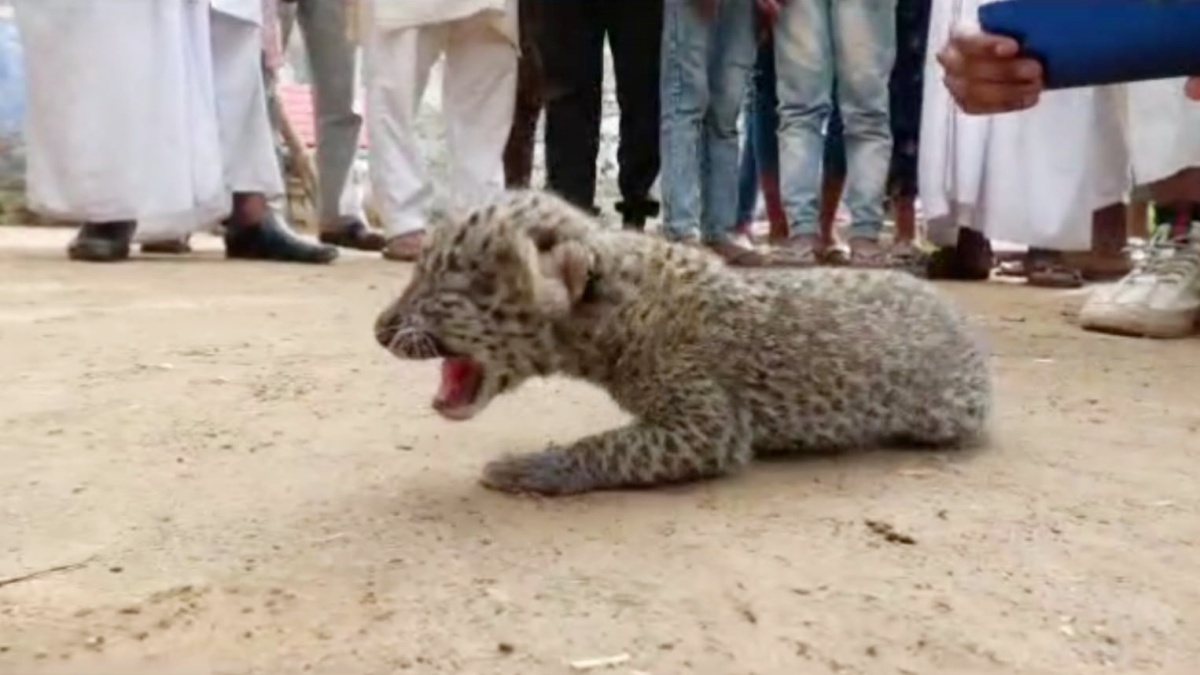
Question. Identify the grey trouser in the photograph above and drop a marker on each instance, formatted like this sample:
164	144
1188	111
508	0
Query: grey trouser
331	58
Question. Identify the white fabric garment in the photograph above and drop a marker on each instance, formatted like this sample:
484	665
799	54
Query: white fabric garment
1032	178
247	138
166	141
478	96
389	14
246	10
1163	130
121	120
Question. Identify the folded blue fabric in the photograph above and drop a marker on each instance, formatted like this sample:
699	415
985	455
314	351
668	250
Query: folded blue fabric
1083	43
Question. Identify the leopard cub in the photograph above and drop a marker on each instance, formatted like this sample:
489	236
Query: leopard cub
715	366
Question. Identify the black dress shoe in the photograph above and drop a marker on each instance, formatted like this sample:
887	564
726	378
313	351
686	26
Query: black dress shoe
354	234
102	242
272	239
634	213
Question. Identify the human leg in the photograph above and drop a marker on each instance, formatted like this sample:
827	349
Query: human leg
1160	297
763	135
398	64
634	34
864	39
331	57
252	171
805	65
730	64
833	184
906	92
685	98
479	94
572	54
119	134
518	151
748	182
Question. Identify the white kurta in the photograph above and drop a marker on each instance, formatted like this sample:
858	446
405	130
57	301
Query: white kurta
145	110
478	96
247	137
1163	130
1032	178
393	14
121	118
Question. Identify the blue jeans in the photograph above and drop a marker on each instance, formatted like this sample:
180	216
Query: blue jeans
907	88
760	154
705	69
817	41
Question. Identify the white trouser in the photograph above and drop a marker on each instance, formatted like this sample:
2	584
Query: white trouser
121	123
244	123
478	95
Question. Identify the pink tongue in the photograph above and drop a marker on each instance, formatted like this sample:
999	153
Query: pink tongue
456	388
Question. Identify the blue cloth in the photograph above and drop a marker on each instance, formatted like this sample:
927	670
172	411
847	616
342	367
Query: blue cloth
1083	43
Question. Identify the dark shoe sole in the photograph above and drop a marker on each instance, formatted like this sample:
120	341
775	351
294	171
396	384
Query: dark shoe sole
167	247
371	241
91	251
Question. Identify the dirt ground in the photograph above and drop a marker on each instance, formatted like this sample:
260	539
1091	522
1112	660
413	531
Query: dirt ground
250	485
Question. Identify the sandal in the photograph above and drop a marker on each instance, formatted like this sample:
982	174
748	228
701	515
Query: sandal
869	254
404	248
800	251
1046	269
834	254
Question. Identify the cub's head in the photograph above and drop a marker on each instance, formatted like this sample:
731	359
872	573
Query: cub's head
485	295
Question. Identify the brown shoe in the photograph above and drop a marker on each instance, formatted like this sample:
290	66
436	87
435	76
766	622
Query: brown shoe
735	255
404	248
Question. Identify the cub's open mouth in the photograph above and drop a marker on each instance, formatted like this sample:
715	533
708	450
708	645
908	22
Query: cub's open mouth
462	381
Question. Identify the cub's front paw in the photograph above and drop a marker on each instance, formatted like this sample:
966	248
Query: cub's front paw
550	472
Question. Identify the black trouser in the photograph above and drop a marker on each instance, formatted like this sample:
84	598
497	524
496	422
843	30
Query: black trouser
571	43
518	152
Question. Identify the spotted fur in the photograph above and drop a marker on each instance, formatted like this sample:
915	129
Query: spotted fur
715	366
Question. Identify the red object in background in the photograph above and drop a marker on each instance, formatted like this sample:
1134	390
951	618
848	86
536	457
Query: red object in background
296	101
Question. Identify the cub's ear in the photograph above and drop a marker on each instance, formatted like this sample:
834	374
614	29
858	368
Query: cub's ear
570	264
550	224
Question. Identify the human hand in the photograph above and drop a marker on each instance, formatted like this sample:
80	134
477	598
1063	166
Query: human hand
1193	88
986	74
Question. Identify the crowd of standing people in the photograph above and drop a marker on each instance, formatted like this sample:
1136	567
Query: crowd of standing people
149	120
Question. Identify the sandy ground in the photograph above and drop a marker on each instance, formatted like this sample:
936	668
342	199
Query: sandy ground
252	486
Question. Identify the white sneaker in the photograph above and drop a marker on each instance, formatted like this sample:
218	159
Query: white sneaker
1159	298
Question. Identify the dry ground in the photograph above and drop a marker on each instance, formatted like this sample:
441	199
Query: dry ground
254	487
